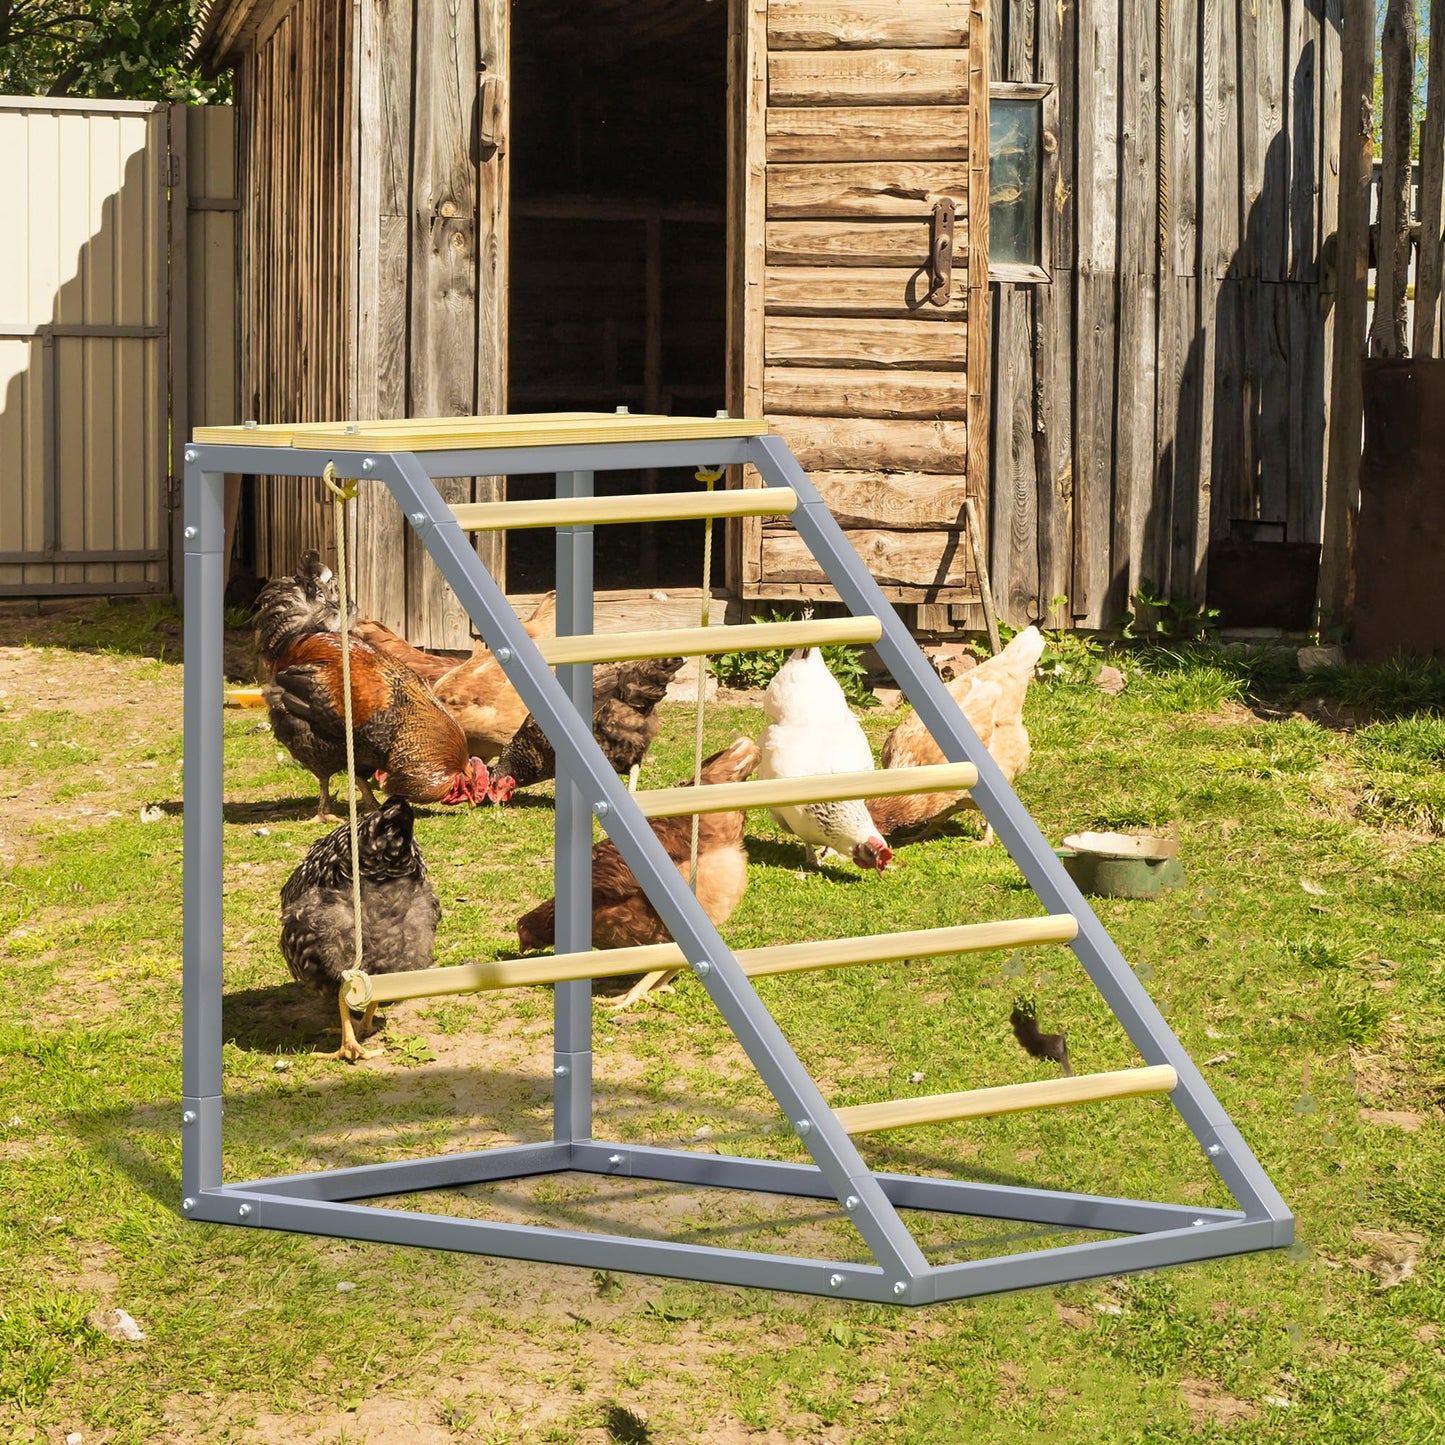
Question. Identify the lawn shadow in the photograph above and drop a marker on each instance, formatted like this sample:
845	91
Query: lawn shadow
792	857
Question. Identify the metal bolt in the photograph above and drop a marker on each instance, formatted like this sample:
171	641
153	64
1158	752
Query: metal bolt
561	1070
602	807
417	518
1198	1223
900	1288
191	454
191	533
851	1202
804	1126
352	429
187	1204
250	425
503	654
722	413
369	464
1213	1149
702	968
244	1211
622	411
834	1280
189	1117
614	1159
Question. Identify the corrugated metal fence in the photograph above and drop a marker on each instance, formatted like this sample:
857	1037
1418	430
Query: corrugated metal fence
117	332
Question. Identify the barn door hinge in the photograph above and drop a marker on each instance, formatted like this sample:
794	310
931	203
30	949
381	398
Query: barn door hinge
940	253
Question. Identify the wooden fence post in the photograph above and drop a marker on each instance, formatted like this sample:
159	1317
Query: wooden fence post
1392	263
1432	181
1342	479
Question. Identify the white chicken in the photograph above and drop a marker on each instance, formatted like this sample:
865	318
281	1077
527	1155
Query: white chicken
811	730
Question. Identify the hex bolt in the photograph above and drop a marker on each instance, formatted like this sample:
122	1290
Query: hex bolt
900	1288
561	1070
191	533
851	1202
804	1126
417	518
834	1280
623	411
188	1117
503	654
250	425
602	807
352	429
1213	1150
614	1159
1198	1223
191	454
702	968
187	1204
244	1211
368	464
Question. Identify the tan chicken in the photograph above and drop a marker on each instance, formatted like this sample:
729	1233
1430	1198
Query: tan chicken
476	692
991	697
622	916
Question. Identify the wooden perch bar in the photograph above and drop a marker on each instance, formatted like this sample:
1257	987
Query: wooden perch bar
815	788
1008	1099
361	989
598	511
697	641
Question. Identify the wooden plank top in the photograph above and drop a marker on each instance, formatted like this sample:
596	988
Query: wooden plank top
462	433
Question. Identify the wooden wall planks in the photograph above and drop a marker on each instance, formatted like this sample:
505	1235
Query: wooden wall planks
1181	350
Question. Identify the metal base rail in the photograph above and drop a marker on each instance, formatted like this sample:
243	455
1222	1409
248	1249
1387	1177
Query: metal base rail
1145	1235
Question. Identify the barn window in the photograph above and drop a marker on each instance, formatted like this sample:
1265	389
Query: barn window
1022	146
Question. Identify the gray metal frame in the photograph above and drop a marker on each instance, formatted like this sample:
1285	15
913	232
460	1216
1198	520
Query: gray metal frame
318	1203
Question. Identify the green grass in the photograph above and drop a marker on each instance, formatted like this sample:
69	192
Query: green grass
1302	965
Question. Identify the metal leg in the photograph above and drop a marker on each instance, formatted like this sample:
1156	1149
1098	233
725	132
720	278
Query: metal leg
205	563
572	1002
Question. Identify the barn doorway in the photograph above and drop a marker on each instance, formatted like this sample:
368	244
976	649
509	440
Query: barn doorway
617	268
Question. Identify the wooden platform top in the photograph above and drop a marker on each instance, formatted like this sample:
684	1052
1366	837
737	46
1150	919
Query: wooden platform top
460	433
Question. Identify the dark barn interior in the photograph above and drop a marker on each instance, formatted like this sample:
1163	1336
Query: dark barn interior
618	247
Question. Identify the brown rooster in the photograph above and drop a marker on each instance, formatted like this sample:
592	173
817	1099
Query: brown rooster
621	914
475	691
401	732
399	911
625	696
991	697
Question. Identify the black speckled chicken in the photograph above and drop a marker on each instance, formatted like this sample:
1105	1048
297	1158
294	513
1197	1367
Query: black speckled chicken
399	911
625	696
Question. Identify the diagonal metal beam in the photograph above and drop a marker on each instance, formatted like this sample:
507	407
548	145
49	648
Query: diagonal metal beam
1027	846
580	759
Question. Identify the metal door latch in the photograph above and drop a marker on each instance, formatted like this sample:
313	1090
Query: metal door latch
940	253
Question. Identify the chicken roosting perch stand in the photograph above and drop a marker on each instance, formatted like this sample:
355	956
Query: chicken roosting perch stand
406	457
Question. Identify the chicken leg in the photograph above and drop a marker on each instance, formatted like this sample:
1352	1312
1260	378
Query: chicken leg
658	981
351	1049
323	807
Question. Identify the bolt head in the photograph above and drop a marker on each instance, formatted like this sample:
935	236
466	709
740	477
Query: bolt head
188	1117
851	1202
561	1070
244	1211
602	807
503	654
250	425
191	533
804	1126
702	968
834	1280
187	1204
614	1159
900	1288
191	454
1198	1223
368	464
1213	1150
417	518
352	429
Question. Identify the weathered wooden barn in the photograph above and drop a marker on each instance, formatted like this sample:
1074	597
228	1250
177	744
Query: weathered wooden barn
784	207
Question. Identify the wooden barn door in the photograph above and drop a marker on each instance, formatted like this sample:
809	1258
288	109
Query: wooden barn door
853	120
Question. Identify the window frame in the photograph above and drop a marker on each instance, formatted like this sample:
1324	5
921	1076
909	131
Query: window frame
1047	96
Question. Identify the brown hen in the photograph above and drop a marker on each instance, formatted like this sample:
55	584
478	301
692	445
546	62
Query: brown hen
991	697
622	916
475	691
